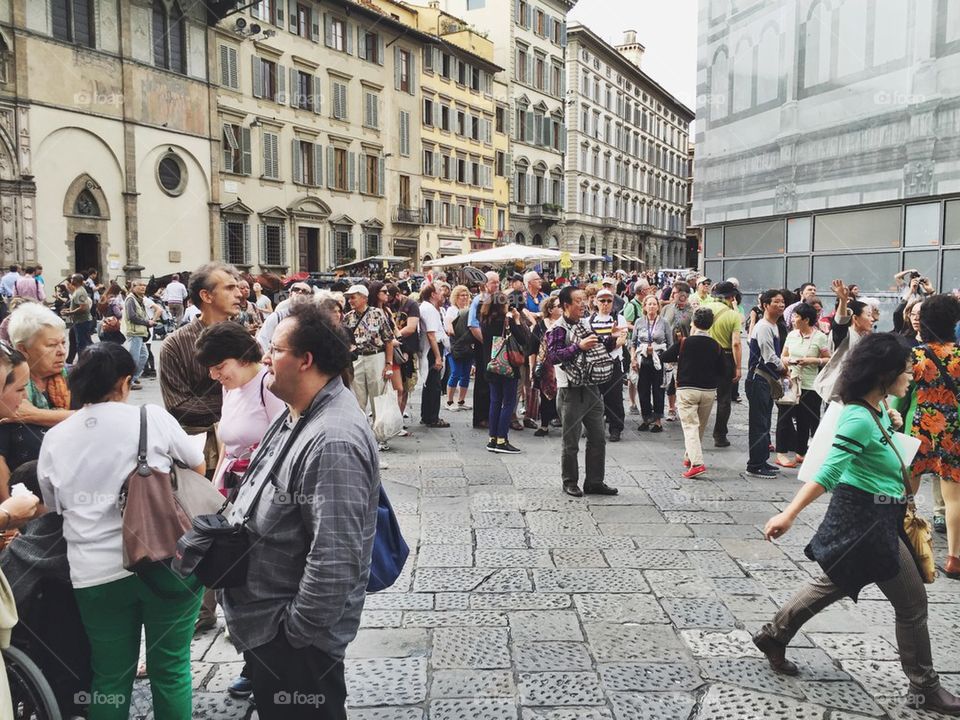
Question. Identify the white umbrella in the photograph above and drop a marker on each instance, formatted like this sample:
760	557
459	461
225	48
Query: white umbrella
498	255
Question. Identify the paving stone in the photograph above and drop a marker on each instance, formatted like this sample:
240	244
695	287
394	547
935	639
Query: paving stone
619	608
466	647
578	542
535	625
742	532
678	543
574	558
643	530
537	498
575	523
520	601
445	536
738	586
715	564
381	618
612	642
449	579
855	646
539	557
386	713
574	713
386	681
551	656
445	556
560	688
398	601
205	705
710	644
688	517
698	613
472	683
753	673
498	520
781	579
626	496
631	514
452	601
842	695
389	642
726	701
472	709
879	677
221	677
679	583
750	607
653	706
612	580
493	501
431	618
653	559
650	677
501	538
506	580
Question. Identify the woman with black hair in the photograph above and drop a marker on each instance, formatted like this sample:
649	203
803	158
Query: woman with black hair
860	540
497	321
931	415
84	462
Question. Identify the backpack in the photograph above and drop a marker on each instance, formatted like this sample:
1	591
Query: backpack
462	345
593	367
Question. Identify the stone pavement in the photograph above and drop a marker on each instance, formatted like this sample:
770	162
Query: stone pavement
519	602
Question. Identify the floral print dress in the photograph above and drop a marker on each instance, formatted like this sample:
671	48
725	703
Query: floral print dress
936	421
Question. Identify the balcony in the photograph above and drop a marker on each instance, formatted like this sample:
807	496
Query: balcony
545	213
403	215
611	222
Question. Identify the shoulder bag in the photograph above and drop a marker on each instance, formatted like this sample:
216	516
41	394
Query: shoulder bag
390	550
916	528
500	362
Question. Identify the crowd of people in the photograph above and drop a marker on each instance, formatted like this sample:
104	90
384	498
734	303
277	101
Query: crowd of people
278	405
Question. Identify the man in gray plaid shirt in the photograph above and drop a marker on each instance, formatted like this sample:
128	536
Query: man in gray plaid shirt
312	529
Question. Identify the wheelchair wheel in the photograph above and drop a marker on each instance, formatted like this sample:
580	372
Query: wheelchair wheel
33	698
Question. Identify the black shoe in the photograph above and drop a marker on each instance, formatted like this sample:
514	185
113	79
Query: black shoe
771	468
505	448
656	428
721	442
600	489
643	427
240	688
940	524
614	436
491	446
573	490
939	700
530	423
762	473
541	432
775	652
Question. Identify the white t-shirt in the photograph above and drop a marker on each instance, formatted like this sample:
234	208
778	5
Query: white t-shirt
175	292
601	324
190	314
83	464
430	321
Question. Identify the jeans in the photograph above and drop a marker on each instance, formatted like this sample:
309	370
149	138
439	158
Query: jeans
761	411
432	389
906	593
293	683
81	335
503	401
724	398
137	347
612	392
796	424
582	407
649	386
459	371
113	615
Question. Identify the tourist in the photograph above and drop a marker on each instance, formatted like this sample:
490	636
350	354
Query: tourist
651	337
461	347
481	390
174	296
78	316
612	330
433	344
406	320
372	341
765	368
136	328
497	321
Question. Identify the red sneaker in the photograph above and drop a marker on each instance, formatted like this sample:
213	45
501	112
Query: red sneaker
686	462
695	470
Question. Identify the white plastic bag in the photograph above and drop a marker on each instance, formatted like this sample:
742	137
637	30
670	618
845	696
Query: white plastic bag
389	420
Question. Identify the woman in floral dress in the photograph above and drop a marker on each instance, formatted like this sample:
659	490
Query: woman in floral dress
935	420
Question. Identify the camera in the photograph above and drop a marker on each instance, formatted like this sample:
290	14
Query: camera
515	302
914	274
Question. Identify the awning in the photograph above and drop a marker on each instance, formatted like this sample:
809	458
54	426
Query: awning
375	260
625	258
637	260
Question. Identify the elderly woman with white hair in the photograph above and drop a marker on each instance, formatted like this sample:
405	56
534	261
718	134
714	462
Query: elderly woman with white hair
41	336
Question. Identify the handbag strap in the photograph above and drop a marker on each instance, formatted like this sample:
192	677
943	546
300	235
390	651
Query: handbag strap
143	470
904	472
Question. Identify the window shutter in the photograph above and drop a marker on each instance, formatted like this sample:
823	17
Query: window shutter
255	10
297	161
227	149
563	34
361	43
292	16
348	31
529	180
529	120
331	173
314	26
488	131
262	228
363	173
267	164
404	133
436	59
327	31
224	241
549	27
380	173
380	50
375	106
412	74
281	85
257	77
295	98
279	20
318	165
428	57
317	95
275	153
246	150
247	250
225	65
528	20
436	114
396	68
351	171
547	127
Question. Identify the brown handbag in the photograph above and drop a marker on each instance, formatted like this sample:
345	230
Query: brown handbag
153	520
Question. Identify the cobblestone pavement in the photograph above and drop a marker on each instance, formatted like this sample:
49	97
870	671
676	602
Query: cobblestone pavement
519	602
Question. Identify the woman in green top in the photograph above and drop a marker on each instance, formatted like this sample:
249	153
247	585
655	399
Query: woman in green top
860	540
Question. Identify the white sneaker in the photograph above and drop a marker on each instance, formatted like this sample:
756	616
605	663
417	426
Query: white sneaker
403	433
383	446
451	407
466	405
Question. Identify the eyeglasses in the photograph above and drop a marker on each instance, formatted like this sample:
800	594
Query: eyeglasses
274	349
300	290
604	300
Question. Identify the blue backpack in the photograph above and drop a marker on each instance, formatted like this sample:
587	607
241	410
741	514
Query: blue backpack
390	550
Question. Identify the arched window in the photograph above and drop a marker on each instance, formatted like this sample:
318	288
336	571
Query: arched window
537	240
816	45
768	66
719	85
86	204
582	247
743	77
852	37
519	238
890	35
169	37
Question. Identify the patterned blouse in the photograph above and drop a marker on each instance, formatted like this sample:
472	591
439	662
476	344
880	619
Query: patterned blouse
371	330
936	421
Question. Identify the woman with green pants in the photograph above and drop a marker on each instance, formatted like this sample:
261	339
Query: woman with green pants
83	464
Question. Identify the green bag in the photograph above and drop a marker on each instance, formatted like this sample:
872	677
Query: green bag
499	362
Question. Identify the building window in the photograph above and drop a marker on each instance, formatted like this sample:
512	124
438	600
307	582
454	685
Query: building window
235	242
371	47
306	162
428	112
445	118
404	57
371	108
73	21
446	171
445	61
172	174
304	96
341	170
303	21
267	81
228	67
429	211
371	242
265	10
372	180
273	245
461	170
500	164
339	105
86	205
475	79
428	167
342	245
271	155
501	120
236	149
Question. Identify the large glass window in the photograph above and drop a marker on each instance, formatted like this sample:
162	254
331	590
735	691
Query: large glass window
924	261
873	272
951	271
713	269
922	227
753	239
755	275
713	242
951	223
798	271
855	230
798	234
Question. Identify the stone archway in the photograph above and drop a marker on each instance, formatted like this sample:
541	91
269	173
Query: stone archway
87	212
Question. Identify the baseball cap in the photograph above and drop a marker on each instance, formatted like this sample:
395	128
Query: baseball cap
354	289
702	280
608	281
605	293
515	277
724	289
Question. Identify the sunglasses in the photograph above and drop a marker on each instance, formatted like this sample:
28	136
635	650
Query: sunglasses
605	300
300	291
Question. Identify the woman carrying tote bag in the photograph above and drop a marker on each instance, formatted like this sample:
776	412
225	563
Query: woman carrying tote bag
83	464
861	540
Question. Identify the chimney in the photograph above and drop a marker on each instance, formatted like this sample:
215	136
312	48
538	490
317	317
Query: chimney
434	4
631	49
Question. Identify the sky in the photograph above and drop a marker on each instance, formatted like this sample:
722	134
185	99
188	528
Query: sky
668	31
